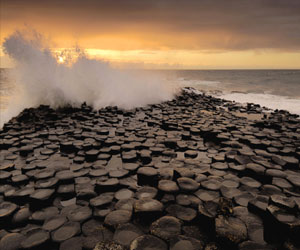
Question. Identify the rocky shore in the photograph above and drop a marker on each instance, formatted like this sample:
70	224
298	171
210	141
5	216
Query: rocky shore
193	173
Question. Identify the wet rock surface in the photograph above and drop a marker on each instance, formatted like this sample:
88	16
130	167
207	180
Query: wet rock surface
196	172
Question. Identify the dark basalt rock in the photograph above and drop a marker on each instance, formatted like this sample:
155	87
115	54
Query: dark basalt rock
146	192
147	205
126	233
102	199
65	232
230	230
21	217
41	198
166	227
11	241
182	213
206	195
197	159
187	184
168	186
186	243
109	185
80	214
55	222
147	176
6	209
147	242
124	194
107	245
36	239
75	243
44	214
117	217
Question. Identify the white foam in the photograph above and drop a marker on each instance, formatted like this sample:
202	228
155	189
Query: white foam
40	79
267	100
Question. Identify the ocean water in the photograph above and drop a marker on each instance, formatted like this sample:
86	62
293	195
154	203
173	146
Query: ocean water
275	89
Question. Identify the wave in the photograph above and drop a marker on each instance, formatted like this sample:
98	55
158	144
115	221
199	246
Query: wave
40	79
267	100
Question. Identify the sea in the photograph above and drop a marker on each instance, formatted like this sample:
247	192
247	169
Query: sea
274	89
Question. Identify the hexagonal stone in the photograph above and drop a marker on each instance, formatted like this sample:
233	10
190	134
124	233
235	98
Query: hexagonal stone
108	245
281	183
295	180
148	205
168	186
147	176
46	183
75	243
54	222
96	228
7	166
206	195
126	233
6	209
220	165
166	227
45	214
125	204
243	199
191	154
35	238
211	184
148	242
117	217
65	176
22	216
65	232
283	201
119	173
102	199
124	194
187	184
229	192
249	245
181	212
91	155
250	182
231	229
42	194
146	192
109	185
187	243
98	172
131	166
11	241
80	214
259	204
230	183
44	174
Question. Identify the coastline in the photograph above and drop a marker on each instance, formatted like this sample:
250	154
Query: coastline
195	171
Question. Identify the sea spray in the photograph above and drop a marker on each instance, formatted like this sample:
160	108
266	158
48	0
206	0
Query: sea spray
39	78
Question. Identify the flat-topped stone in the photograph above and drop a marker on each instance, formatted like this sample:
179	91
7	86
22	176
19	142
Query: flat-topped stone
65	232
117	217
166	227
148	242
168	186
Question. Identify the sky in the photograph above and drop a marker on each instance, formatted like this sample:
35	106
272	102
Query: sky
171	34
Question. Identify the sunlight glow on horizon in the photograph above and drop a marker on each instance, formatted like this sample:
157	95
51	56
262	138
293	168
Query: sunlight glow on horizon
182	59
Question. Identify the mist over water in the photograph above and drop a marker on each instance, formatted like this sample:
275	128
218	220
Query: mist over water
40	79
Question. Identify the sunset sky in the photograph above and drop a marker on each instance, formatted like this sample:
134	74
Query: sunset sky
189	34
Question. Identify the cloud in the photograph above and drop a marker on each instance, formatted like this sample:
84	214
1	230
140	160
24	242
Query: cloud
165	24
